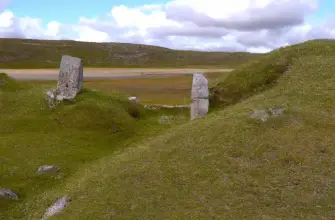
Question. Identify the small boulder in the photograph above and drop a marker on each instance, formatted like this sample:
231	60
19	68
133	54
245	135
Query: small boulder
276	111
60	176
8	194
47	169
164	119
133	99
54	98
57	207
261	114
265	114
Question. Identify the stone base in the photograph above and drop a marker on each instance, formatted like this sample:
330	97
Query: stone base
199	108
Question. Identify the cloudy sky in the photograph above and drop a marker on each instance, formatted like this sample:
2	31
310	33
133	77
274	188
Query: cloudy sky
211	25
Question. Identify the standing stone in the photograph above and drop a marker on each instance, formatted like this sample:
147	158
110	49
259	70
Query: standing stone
199	96
70	80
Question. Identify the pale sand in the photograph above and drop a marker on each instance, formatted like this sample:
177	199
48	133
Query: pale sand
108	71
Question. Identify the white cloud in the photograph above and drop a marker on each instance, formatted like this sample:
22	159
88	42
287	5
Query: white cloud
53	28
89	34
6	19
214	25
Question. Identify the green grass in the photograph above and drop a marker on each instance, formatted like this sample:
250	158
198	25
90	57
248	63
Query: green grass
26	53
223	166
72	135
257	76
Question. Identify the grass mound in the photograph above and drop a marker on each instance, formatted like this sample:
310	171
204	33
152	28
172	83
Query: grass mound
73	134
263	73
27	53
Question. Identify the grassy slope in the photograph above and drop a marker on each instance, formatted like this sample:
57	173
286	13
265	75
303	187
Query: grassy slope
23	53
224	166
74	134
254	77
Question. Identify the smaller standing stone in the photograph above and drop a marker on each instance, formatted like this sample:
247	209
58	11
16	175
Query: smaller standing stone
58	206
47	169
199	96
70	80
8	194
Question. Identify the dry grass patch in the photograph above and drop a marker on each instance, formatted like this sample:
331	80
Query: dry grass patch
156	90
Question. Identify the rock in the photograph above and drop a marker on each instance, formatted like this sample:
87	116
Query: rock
60	176
57	207
8	194
276	112
53	98
133	99
150	107
164	119
47	169
11	172
264	114
199	96
158	106
261	114
70	80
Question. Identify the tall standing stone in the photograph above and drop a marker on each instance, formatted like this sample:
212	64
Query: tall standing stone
199	96
70	80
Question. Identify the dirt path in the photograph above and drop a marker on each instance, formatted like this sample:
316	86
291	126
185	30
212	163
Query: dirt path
112	71
101	73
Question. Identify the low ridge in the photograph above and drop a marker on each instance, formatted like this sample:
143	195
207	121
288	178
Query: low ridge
26	53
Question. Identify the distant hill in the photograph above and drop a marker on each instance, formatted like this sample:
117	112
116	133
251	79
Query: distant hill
27	53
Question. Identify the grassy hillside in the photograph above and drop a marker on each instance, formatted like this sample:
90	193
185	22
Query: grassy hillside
72	135
224	166
25	53
256	76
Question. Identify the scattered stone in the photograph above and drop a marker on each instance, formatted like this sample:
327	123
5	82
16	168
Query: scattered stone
47	169
54	98
134	100
276	112
157	106
70	80
151	107
164	119
11	172
261	114
199	96
264	114
57	207
60	176
8	194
